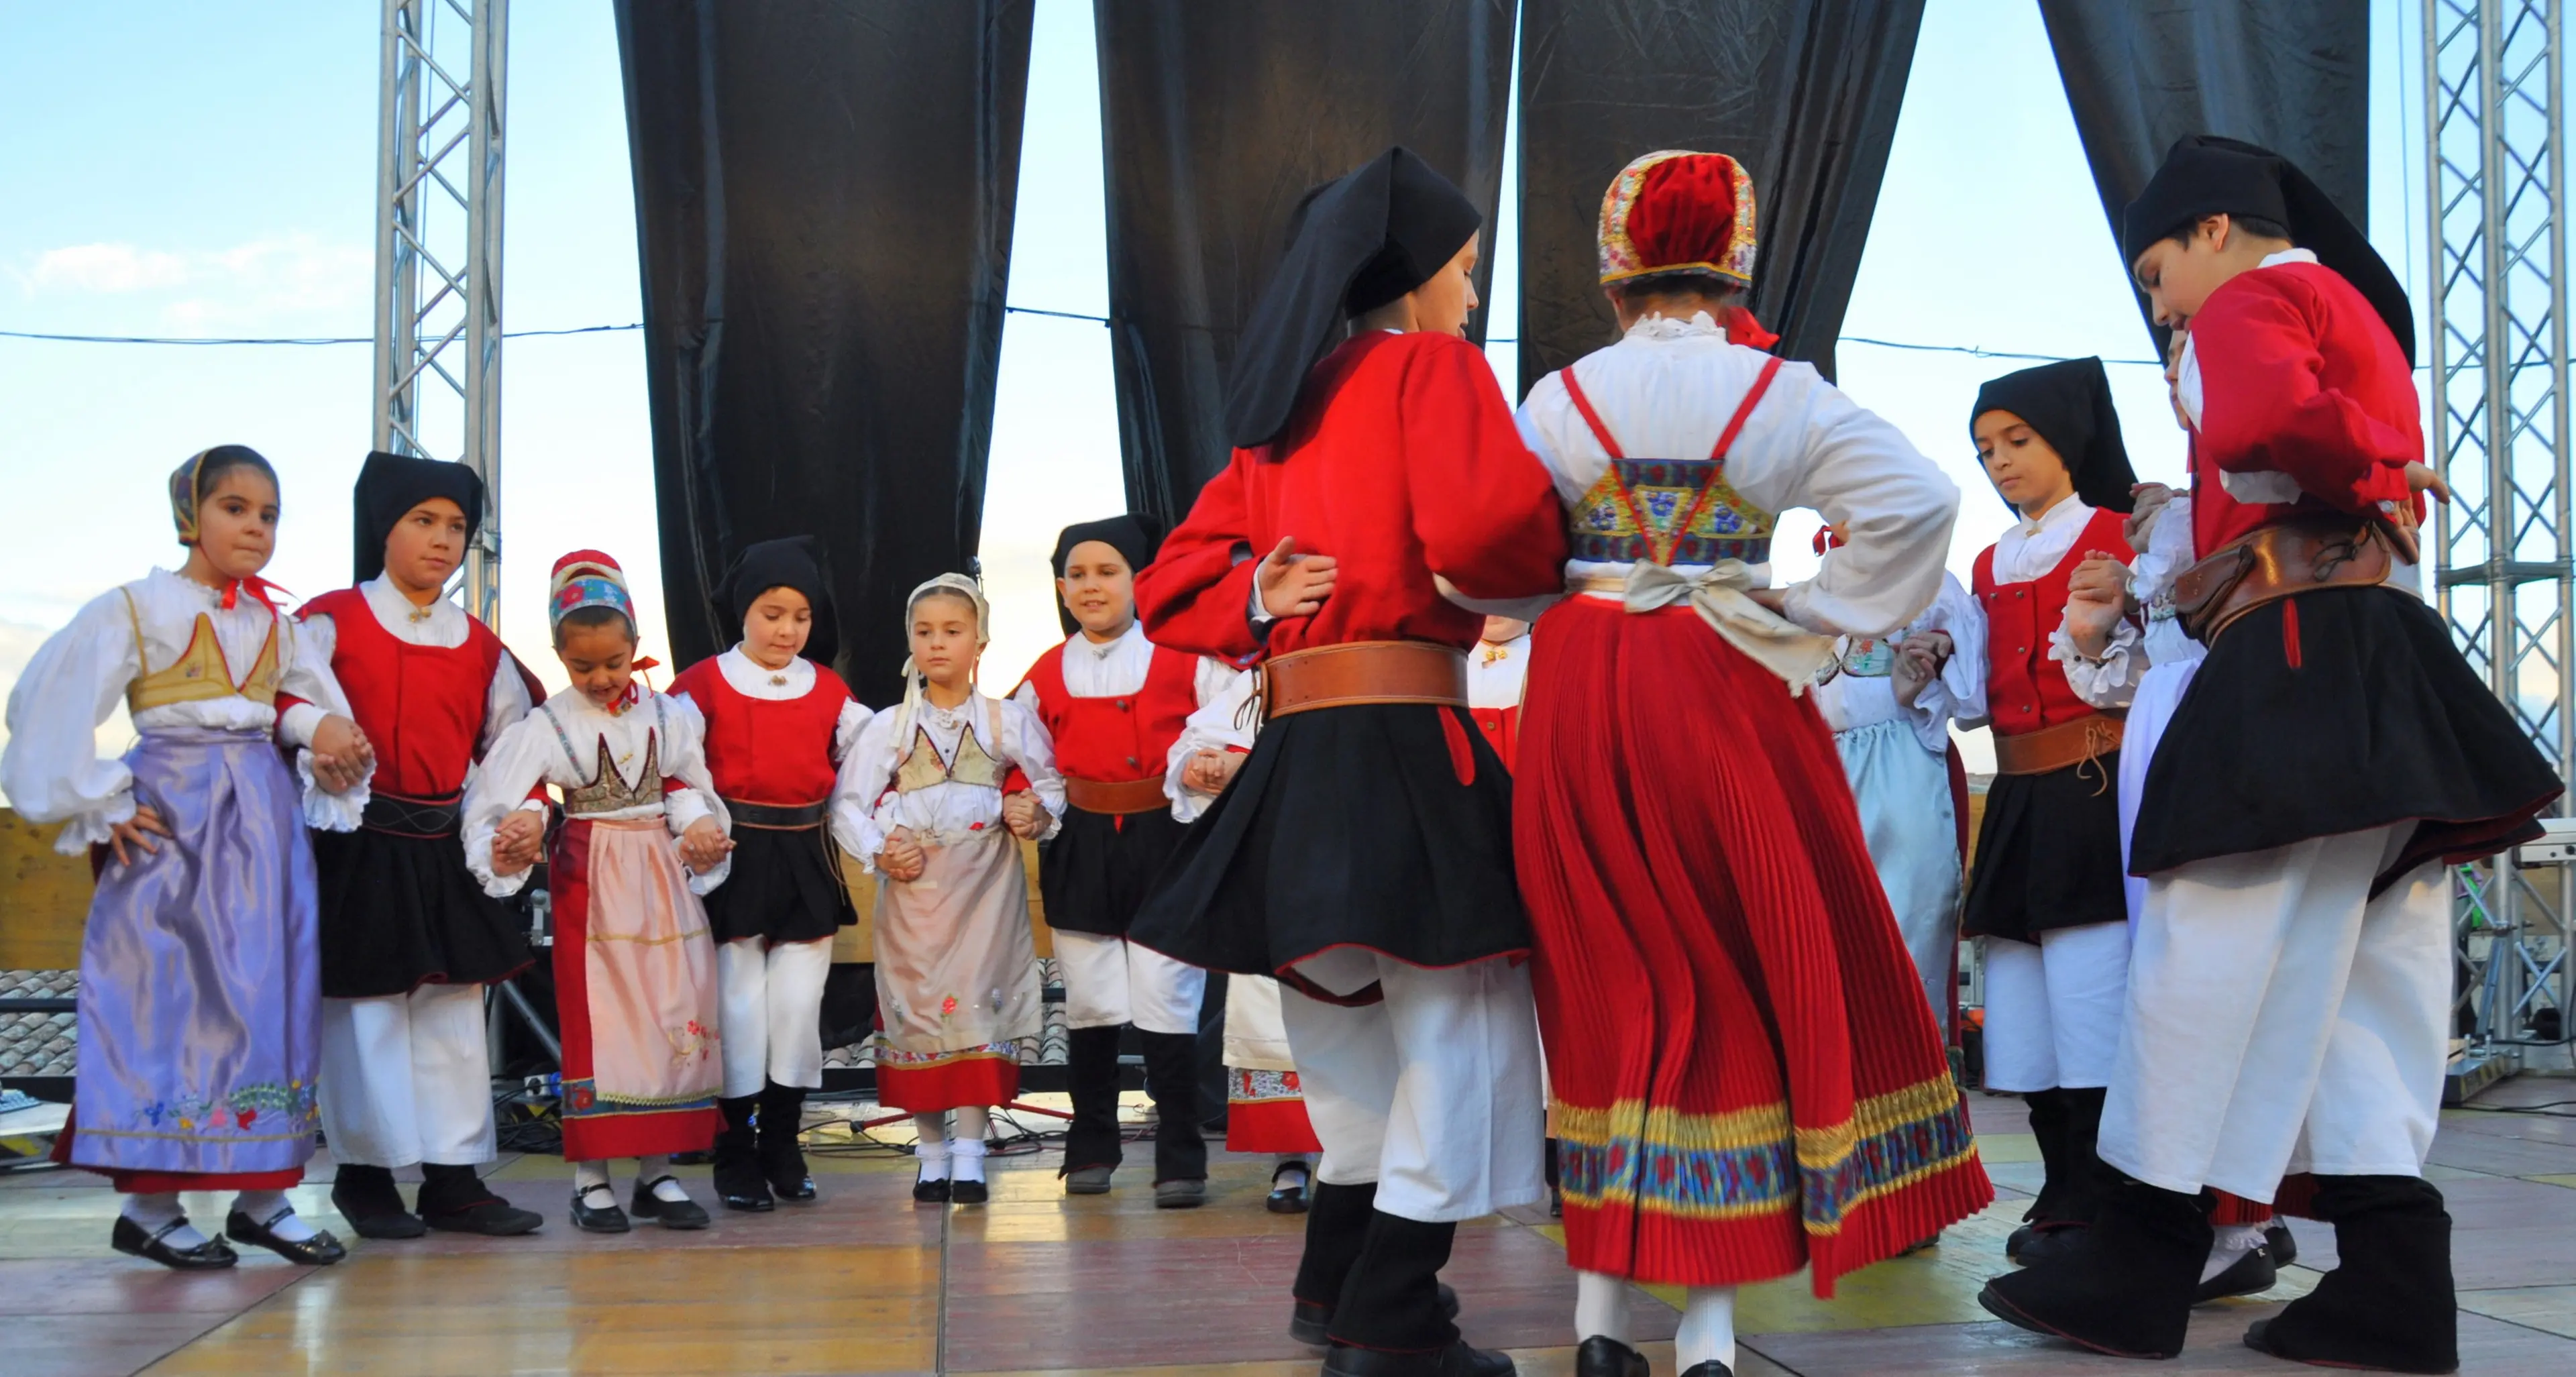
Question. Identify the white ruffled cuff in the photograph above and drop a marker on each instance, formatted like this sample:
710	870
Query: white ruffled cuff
325	811
96	826
2109	682
704	885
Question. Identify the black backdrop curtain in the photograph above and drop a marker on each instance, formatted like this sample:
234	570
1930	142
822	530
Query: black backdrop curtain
1804	93
2291	75
823	191
1214	119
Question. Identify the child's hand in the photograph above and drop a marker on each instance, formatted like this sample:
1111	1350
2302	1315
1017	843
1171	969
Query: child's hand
2149	500
704	845
137	832
1024	815
902	858
2097	597
517	842
1209	772
342	754
1295	585
1916	666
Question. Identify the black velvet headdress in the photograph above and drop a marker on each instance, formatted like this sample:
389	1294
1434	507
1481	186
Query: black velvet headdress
2069	404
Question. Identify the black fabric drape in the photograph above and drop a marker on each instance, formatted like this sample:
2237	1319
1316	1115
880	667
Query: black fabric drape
1215	118
823	192
1803	93
2291	75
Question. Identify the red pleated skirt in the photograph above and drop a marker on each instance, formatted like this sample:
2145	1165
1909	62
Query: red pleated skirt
1745	1076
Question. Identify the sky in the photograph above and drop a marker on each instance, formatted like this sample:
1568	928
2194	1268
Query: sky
209	170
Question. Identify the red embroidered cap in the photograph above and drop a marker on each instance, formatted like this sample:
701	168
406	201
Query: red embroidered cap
1678	211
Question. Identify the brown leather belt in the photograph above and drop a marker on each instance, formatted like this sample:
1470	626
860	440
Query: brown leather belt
1334	676
2299	555
1125	796
2054	748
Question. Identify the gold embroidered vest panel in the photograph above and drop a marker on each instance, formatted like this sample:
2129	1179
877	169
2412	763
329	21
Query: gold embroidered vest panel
923	768
608	791
1667	511
200	673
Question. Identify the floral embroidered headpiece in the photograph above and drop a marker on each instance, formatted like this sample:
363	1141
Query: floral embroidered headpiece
587	578
1678	211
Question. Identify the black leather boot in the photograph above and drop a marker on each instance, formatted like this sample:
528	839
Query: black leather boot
2388	1304
737	1175
782	1150
1092	1146
2126	1285
455	1200
1172	1079
367	1198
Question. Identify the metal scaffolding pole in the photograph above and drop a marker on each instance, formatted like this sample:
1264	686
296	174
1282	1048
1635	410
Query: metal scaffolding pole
440	156
2494	84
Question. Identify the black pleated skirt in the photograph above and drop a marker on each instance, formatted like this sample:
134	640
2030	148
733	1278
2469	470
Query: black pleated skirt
1347	826
2333	712
1093	873
400	911
2048	854
785	887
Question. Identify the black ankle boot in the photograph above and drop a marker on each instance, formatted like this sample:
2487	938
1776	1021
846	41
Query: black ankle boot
366	1197
1091	1138
455	1200
2126	1285
737	1175
2388	1304
1337	1220
1172	1079
782	1150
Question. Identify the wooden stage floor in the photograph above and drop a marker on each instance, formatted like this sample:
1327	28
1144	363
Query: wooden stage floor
1034	1283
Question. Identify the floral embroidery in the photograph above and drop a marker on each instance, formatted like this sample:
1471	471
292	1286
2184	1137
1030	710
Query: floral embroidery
1260	1087
273	1107
1668	494
948	1006
689	1042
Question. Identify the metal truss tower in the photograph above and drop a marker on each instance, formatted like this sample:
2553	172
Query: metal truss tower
440	155
2494	85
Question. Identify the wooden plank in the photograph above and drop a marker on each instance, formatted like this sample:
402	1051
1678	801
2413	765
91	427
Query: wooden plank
44	898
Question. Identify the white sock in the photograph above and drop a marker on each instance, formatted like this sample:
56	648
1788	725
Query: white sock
274	1210
1708	1328
657	1170
592	1176
1600	1308
2233	1241
1291	1170
151	1212
933	1150
966	1157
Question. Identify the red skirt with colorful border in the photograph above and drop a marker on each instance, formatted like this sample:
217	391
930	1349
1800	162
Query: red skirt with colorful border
1746	1078
934	1084
1266	1112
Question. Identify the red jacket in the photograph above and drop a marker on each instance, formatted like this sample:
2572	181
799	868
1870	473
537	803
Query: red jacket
1403	463
2025	689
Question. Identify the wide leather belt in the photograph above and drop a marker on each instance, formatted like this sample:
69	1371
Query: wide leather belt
412	817
2299	555
1334	676
2054	748
1122	797
779	817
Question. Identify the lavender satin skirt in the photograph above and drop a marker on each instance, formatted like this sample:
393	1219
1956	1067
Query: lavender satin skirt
200	980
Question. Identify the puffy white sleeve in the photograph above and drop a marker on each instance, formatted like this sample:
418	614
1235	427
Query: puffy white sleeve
853	720
1025	743
1214	727
1959	691
308	676
504	703
684	759
51	767
520	759
2110	682
1818	449
865	772
1967	630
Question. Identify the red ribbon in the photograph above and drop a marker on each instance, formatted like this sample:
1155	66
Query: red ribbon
259	588
1743	328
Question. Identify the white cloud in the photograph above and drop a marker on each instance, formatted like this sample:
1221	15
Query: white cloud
279	275
105	268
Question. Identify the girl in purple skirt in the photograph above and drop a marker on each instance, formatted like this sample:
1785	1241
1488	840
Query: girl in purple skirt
200	991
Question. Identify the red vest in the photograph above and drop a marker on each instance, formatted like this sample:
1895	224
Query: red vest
2025	689
421	706
1502	728
762	750
1120	739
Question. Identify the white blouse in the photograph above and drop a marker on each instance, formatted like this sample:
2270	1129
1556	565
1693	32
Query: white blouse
1851	701
51	768
1096	669
1497	673
866	808
592	742
2026	552
1667	391
1224	722
752	679
441	625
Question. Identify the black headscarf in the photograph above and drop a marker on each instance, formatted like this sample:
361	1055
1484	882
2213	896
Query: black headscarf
1354	244
390	485
2069	404
2205	175
1133	537
794	562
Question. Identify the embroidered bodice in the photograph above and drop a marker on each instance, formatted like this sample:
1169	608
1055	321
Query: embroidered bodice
1670	511
608	791
200	673
923	768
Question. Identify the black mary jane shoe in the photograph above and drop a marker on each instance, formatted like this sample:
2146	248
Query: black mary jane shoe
1457	1360
605	1219
321	1250
2252	1272
795	1190
1711	1368
1312	1324
670	1214
968	1192
2284	1248
1290	1198
1601	1356
930	1192
129	1237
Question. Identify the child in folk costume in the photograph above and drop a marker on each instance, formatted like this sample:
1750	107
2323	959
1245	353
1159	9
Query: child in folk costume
1889	702
2046	890
1112	704
2290	988
200	992
1265	1110
1497	673
643	836
409	938
1745	1076
779	722
932	797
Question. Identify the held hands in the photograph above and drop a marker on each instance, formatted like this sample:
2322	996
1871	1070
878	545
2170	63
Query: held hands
2150	499
704	845
1919	659
1294	585
342	755
138	832
1208	772
2097	597
516	842
902	859
1024	815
